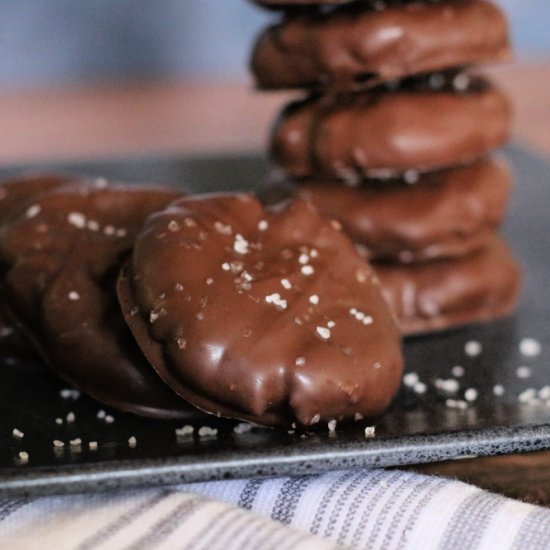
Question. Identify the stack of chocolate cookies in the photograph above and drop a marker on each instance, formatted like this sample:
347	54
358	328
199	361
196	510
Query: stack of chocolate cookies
395	140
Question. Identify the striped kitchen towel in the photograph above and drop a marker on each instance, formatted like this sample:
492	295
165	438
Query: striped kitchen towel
367	509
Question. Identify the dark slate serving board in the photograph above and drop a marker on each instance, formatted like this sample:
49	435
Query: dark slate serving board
418	428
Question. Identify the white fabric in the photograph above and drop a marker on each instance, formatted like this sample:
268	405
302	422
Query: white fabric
367	509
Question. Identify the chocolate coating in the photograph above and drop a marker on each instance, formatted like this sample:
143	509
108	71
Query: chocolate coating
380	134
264	315
356	46
14	196
449	293
64	261
444	214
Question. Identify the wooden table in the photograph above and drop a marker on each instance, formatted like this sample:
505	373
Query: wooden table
126	119
110	121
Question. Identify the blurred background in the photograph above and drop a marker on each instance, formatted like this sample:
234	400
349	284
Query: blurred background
51	42
92	78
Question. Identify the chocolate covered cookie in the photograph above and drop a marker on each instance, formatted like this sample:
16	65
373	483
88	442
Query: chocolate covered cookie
384	133
358	45
14	196
267	315
442	214
449	293
64	255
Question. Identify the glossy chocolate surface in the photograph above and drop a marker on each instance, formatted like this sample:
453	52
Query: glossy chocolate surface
265	315
449	293
14	196
384	133
442	214
64	254
357	46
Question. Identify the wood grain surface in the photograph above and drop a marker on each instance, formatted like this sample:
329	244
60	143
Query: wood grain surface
137	118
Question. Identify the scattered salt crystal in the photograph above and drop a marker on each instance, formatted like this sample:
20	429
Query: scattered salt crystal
524	372
307	270
184	431
101	414
458	371
109	419
74	296
498	390
75	442
470	394
323	332
410	379
529	347
332	425
411	177
303	259
314	299
173	225
58	444
226	266
68	393
242	427
59	421
370	431
300	361
77	219
263	225
528	396
420	388
132	442
448	386
17	434
33	211
70	417
92	445
276	300
23	457
206	431
473	348
153	317
286	284
240	245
